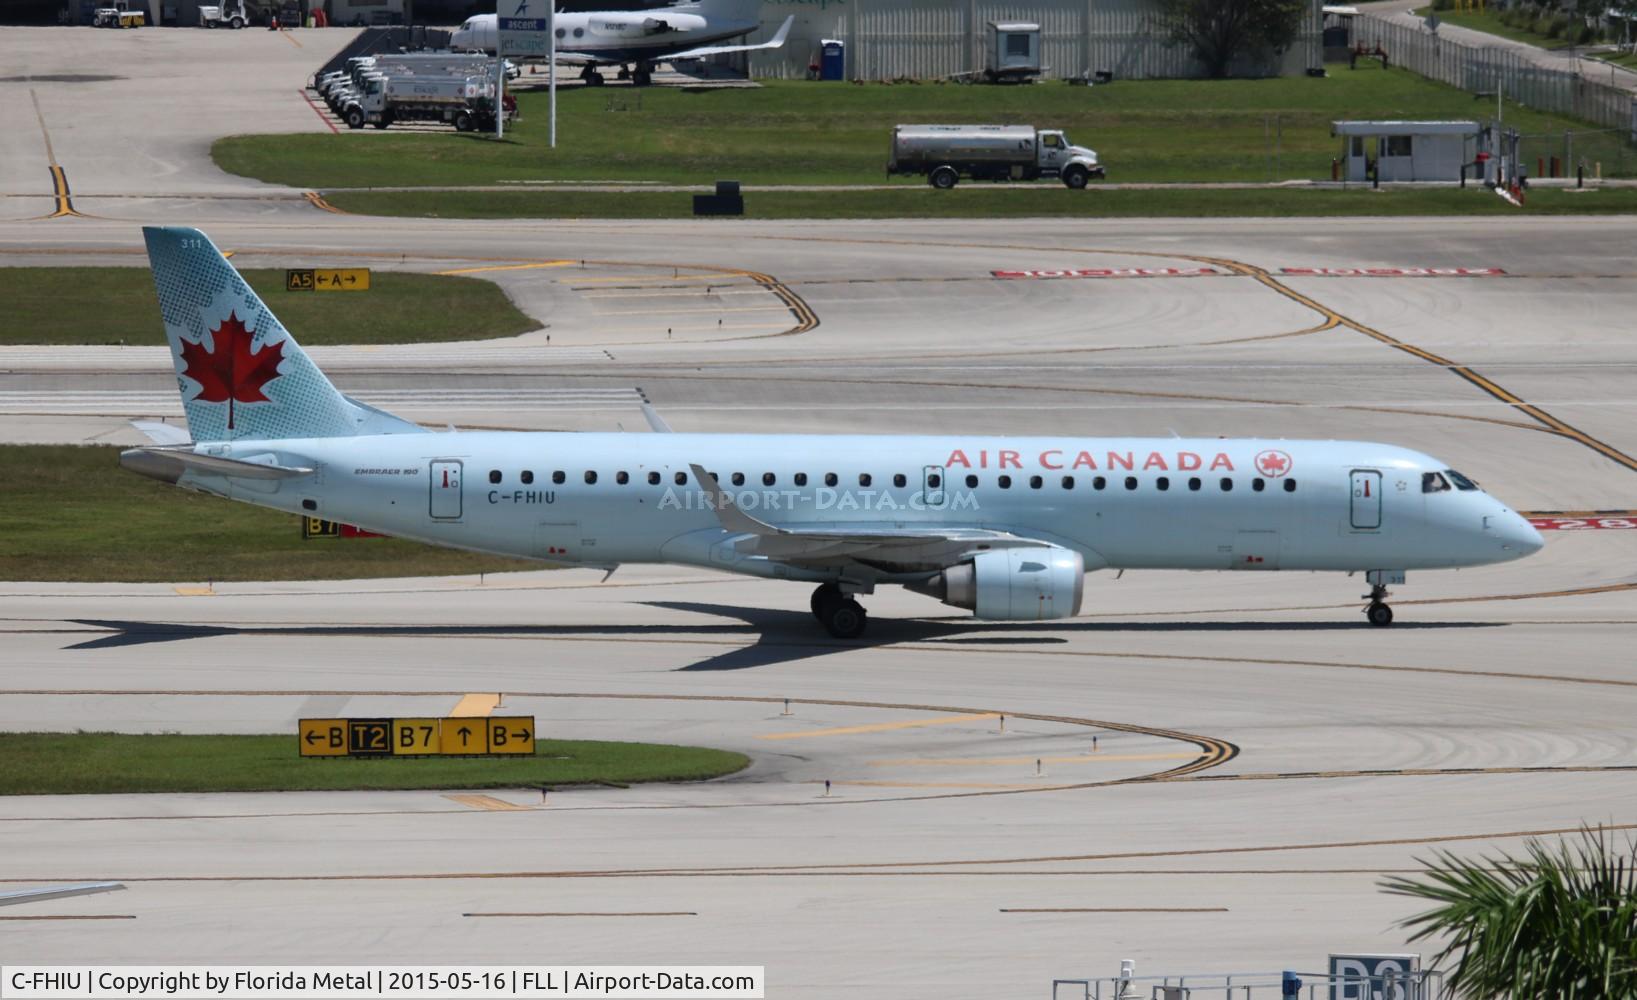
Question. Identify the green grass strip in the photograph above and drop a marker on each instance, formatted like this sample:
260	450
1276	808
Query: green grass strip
799	132
49	305
82	763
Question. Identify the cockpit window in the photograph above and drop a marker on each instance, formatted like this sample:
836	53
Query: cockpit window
1433	482
1461	482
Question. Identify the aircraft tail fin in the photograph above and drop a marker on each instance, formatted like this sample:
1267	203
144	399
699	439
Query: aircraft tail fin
241	374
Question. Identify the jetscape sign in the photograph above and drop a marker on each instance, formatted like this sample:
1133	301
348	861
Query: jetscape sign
1115	272
1392	272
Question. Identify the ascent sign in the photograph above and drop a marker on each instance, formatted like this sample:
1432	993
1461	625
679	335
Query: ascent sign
525	27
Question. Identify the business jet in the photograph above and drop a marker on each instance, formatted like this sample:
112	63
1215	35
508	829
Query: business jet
635	40
1003	527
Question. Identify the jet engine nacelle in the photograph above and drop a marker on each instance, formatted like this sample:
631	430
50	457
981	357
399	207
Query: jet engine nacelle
1021	584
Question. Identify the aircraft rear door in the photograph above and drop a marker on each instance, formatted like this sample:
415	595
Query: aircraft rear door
1366	500
446	476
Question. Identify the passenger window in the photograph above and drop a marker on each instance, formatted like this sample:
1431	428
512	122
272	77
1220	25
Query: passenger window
681	478
1257	485
830	479
1163	483
1432	482
934	481
1098	483
864	479
494	476
621	478
1461	482
801	479
1068	482
527	477
738	479
898	480
1035	482
1004	482
591	478
1290	486
559	477
653	479
971	482
1194	483
1130	482
1227	485
768	479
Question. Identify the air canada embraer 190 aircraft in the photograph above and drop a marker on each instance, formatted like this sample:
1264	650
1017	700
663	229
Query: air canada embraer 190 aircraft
636	39
1004	527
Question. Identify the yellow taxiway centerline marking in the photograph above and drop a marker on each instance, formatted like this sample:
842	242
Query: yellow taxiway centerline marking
195	591
487	802
929	784
474	705
981	761
509	267
720	279
770	307
882	727
606	294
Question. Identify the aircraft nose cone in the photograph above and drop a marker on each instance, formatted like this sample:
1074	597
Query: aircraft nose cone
1518	536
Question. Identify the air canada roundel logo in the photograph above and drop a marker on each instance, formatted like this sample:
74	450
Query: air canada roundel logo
1272	464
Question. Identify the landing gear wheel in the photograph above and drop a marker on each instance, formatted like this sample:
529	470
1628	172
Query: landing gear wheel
825	594
642	76
1379	614
591	77
844	619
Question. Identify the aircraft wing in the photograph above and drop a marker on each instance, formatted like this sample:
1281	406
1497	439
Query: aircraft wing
929	548
776	42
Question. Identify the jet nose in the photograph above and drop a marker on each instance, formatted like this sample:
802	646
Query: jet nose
1517	536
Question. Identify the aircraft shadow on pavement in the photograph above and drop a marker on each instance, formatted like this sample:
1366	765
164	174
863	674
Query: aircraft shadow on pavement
780	635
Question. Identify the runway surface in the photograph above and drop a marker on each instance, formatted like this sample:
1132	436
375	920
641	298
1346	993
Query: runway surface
1227	763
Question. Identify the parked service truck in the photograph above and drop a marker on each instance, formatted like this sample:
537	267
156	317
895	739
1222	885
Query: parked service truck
121	14
464	102
223	15
946	153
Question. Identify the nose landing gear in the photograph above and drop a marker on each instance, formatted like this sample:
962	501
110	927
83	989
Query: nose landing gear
1378	612
841	615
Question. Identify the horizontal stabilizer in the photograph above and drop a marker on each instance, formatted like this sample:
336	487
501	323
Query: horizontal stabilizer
161	433
776	42
168	465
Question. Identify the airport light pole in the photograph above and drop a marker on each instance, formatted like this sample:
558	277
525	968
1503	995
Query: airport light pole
551	68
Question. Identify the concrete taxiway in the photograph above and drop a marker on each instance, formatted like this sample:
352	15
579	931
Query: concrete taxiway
1227	763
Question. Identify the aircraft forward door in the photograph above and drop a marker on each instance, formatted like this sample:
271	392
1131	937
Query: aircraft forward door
932	485
446	477
1366	500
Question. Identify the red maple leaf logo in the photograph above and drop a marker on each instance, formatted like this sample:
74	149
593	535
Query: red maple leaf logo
1273	463
231	372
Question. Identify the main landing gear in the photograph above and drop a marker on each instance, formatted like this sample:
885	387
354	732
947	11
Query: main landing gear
1378	612
590	76
840	615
